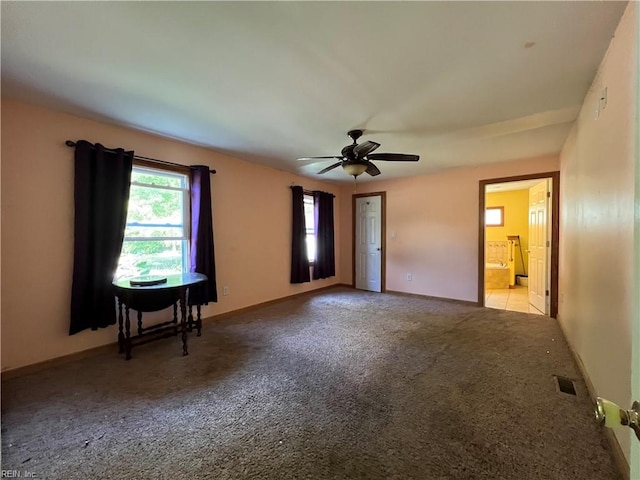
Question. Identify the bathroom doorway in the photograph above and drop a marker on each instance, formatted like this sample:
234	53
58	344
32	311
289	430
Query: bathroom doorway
518	243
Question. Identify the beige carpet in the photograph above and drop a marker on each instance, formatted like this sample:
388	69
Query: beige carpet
341	385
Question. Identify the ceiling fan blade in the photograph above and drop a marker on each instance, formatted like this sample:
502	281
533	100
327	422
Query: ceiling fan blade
372	170
365	148
331	167
394	157
301	159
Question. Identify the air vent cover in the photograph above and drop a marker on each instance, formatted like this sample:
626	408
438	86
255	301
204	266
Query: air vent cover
565	385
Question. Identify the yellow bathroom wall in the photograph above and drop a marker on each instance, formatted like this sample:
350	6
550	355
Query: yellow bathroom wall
516	208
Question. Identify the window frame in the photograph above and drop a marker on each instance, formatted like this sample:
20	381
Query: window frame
501	210
154	169
309	198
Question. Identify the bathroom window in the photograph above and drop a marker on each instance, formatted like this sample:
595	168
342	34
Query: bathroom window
494	217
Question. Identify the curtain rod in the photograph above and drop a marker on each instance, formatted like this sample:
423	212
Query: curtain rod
308	192
70	143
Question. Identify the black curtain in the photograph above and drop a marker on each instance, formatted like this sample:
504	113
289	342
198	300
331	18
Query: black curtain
325	265
202	254
101	194
299	257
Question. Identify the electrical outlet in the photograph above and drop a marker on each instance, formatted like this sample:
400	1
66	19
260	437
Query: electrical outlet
409	277
225	290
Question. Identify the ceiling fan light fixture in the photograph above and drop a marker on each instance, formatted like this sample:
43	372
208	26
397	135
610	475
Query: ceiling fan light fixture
354	169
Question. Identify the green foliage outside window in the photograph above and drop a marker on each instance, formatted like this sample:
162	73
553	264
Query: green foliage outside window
154	213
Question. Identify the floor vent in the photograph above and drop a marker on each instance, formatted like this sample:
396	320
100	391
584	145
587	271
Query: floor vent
565	385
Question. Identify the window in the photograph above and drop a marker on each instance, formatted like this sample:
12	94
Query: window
310	224
156	238
494	217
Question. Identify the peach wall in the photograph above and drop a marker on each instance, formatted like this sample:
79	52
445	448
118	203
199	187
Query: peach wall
435	218
598	169
251	210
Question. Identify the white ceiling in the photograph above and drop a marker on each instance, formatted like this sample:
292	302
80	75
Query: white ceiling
458	83
510	186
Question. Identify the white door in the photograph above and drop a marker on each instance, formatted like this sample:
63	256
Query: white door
368	239
538	245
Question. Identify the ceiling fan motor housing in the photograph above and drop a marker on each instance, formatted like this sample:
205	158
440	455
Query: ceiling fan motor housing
355	134
347	152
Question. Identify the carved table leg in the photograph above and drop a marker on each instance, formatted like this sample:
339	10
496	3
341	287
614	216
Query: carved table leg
120	331
127	333
183	312
175	318
199	321
190	320
139	323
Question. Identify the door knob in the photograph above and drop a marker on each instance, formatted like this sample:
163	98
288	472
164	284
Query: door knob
611	415
378	249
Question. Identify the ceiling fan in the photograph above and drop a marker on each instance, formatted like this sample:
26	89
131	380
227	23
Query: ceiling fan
356	159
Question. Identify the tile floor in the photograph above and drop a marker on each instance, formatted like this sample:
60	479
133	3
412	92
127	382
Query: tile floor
513	299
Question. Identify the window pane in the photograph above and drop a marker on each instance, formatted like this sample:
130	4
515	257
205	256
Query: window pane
311	247
156	178
154	211
140	231
493	216
155	206
309	220
161	257
308	214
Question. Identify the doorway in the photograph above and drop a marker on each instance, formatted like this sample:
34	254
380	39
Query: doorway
369	245
518	243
